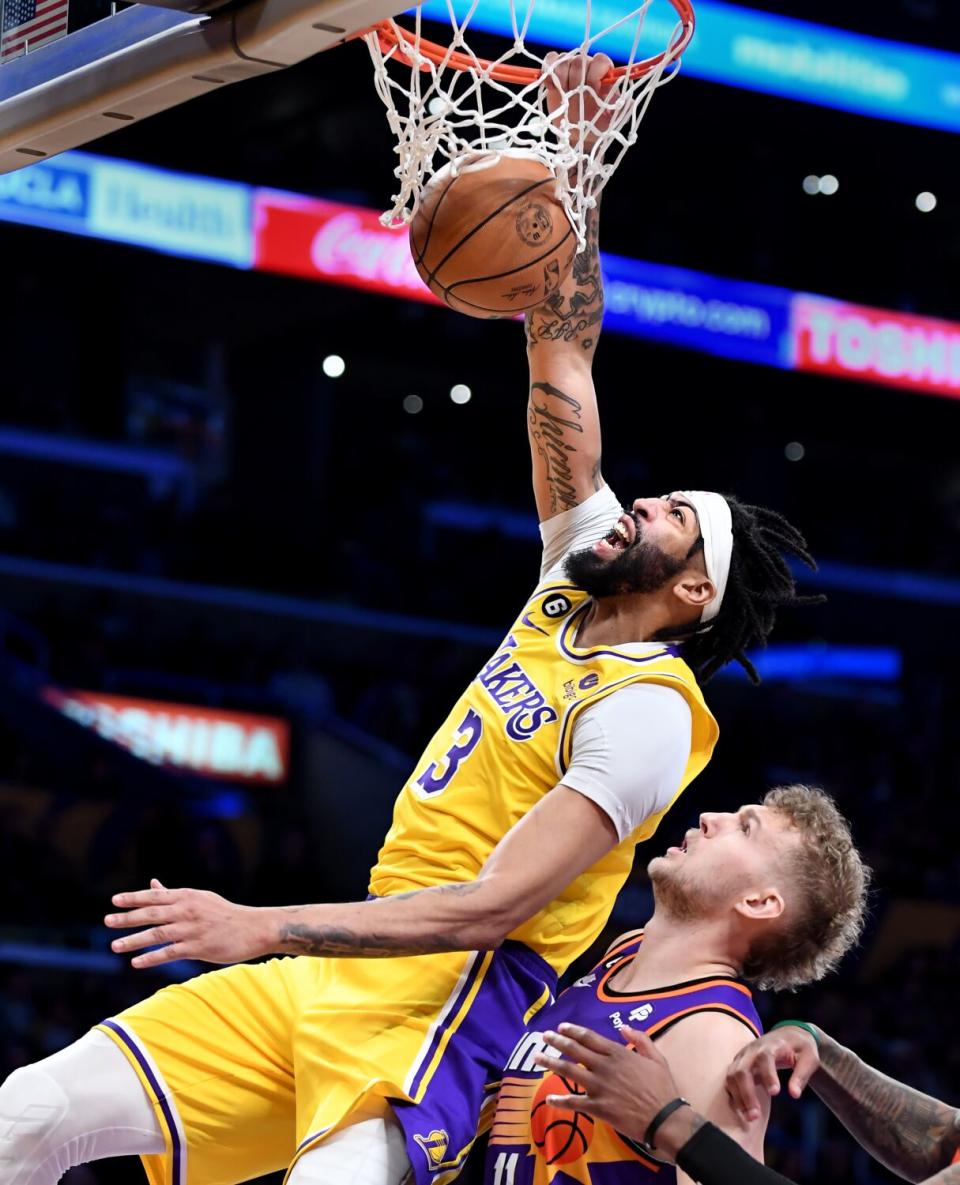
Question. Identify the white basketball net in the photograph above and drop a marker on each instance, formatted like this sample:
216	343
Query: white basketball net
441	114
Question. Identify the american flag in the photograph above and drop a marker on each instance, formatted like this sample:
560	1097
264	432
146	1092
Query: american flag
28	24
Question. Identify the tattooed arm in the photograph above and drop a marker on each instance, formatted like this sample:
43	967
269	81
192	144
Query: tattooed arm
562	417
909	1132
561	837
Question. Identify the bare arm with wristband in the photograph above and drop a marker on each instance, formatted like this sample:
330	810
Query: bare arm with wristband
634	1090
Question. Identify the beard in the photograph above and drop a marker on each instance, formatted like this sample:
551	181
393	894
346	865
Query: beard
640	568
676	895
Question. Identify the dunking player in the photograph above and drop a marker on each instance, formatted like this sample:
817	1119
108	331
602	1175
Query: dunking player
508	846
773	894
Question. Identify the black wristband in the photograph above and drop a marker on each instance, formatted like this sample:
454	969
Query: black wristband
712	1158
663	1114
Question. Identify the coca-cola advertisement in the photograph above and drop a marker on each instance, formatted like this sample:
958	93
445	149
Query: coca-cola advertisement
320	240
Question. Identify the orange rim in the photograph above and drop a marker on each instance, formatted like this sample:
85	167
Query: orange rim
403	44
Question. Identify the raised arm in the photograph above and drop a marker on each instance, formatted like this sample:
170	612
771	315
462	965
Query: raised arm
562	418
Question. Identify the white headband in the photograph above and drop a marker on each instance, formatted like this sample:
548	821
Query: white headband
716	527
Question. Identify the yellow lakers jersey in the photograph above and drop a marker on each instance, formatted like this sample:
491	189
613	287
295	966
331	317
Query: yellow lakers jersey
506	743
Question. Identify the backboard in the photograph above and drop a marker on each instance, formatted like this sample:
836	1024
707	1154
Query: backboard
147	58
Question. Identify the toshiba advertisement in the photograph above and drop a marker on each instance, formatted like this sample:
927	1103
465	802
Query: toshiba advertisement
206	742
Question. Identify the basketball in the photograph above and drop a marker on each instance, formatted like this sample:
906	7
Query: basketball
560	1136
492	238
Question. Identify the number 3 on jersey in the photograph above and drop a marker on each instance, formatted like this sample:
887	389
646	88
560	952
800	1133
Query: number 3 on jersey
438	774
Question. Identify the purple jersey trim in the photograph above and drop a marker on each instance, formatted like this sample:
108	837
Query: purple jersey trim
570	627
158	1090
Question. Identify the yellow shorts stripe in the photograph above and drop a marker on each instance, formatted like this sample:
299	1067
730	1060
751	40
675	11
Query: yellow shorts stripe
541	1001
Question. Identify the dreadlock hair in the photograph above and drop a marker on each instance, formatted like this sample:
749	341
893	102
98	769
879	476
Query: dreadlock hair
760	583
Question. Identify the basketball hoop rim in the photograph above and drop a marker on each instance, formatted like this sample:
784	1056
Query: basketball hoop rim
399	43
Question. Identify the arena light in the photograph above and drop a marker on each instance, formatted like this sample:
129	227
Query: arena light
811	184
794	451
926	202
460	393
333	366
412	404
829	184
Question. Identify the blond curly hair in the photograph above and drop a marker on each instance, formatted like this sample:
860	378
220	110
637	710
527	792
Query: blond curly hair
831	903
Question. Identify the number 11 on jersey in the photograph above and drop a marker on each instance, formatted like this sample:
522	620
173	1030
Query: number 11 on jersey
438	774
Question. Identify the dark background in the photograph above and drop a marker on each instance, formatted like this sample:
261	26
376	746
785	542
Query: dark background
327	491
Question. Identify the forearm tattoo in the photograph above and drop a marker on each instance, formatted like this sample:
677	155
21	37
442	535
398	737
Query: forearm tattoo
405	937
555	423
574	312
911	1133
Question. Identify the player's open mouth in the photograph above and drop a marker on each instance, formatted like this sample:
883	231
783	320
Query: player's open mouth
625	533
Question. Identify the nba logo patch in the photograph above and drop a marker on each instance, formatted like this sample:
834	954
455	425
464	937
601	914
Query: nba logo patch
434	1146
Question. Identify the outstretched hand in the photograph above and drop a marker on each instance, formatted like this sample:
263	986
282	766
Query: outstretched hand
755	1067
187	924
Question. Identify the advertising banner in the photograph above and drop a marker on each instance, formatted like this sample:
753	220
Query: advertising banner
209	742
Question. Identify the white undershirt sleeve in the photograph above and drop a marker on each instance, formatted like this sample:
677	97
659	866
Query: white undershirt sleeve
576	528
629	752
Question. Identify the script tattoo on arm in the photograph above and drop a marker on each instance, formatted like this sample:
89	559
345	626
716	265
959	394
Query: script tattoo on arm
381	936
574	312
555	422
911	1133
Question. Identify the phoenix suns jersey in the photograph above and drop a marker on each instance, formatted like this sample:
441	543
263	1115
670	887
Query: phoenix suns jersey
535	1143
507	743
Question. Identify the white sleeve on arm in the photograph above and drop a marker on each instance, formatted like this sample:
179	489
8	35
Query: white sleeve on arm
630	751
576	528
